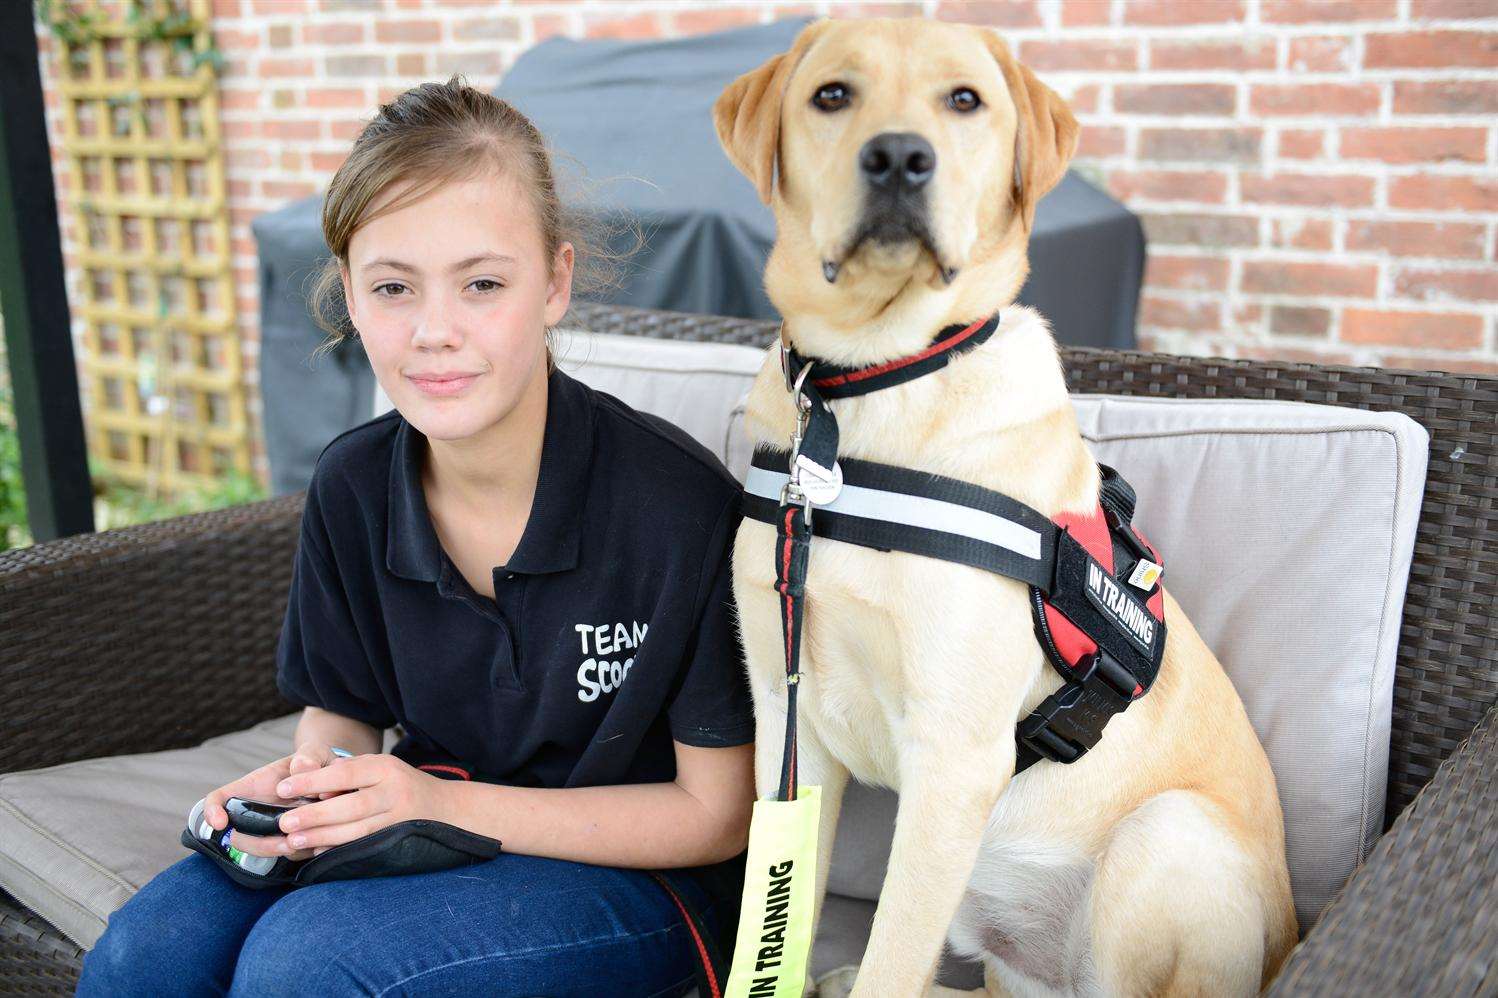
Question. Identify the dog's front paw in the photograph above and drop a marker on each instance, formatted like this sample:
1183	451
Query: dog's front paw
836	983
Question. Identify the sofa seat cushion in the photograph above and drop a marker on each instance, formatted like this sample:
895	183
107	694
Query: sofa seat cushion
77	840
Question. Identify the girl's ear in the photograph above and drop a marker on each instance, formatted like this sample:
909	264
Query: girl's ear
559	288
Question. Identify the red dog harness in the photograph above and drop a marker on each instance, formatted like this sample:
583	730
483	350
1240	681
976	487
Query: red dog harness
1096	603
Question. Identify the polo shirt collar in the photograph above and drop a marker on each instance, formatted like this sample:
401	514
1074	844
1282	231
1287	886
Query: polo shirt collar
552	535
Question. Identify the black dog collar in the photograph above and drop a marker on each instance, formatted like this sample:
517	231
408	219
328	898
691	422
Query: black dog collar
835	382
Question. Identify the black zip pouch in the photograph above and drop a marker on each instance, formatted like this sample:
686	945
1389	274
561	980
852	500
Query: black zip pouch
419	845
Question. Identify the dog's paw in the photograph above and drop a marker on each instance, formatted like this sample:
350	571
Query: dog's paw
836	983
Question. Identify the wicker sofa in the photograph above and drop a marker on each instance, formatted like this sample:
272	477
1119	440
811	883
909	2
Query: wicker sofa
123	642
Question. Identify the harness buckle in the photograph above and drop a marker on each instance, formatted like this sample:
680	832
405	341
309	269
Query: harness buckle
1069	722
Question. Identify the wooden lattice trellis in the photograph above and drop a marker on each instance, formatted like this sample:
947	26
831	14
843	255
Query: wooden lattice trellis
165	399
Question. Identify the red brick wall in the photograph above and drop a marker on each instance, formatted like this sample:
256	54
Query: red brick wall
1316	177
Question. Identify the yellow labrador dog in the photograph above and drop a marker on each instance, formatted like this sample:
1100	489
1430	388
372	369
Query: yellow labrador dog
1155	864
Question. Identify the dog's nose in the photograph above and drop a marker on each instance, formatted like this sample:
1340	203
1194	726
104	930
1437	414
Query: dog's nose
897	161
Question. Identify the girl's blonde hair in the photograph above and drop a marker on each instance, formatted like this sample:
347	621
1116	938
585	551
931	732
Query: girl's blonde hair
440	133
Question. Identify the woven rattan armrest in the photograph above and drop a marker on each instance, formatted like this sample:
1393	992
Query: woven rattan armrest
143	638
1420	916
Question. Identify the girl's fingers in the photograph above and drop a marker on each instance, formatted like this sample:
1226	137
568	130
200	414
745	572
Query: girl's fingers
267	845
341	774
327	836
257	785
339	810
213	804
258	845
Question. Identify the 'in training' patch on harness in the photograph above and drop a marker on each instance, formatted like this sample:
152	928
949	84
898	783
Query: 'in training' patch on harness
1094	580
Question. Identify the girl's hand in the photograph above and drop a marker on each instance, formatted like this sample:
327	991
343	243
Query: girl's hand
384	790
261	785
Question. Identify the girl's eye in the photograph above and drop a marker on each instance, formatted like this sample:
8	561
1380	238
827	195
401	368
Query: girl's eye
381	287
963	99
492	285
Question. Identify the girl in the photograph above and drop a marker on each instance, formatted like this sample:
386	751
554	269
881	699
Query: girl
531	578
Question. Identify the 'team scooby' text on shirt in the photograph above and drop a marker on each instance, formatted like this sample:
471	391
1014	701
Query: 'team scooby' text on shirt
598	674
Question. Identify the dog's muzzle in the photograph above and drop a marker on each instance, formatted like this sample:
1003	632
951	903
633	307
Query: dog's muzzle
896	168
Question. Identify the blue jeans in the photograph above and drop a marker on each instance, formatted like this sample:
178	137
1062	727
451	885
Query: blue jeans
515	925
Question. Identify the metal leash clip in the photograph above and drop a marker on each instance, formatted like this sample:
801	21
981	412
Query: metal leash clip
803	414
791	492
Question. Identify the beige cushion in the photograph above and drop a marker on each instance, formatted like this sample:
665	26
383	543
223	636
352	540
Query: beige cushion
698	386
1287	531
77	840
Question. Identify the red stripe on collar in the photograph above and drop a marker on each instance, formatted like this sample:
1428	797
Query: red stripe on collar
864	373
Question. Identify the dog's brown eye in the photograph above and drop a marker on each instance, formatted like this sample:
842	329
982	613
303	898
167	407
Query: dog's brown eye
963	99
831	96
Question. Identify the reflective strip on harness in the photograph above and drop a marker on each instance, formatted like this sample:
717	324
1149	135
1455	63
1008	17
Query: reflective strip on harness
896	509
913	511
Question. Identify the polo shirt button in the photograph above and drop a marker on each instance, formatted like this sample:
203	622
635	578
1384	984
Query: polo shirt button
509	575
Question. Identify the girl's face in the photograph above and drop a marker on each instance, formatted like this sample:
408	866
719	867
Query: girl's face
451	295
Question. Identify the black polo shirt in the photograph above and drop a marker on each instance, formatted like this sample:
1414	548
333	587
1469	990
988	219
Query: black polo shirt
611	631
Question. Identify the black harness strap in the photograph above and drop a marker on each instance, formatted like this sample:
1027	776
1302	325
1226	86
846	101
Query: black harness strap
1061	569
1069	722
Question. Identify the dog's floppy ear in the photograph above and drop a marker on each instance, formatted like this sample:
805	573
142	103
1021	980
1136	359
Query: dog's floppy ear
747	114
1045	134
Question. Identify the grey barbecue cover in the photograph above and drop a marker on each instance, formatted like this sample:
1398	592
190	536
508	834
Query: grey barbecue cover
637	117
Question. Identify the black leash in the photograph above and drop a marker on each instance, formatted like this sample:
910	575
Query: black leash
793	548
792	551
813	466
710	964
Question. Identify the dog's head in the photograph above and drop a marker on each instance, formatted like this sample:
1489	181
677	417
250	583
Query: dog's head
899	156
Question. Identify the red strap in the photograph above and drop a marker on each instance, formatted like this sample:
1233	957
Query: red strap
710	975
458	770
863	374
